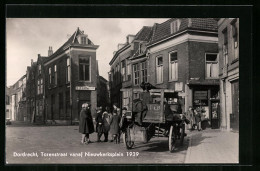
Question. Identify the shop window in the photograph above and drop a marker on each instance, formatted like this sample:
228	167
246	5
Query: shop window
212	66
68	71
144	71
84	68
173	66
136	69
175	25
159	69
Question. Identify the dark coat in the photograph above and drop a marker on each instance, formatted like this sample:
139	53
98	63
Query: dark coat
114	124
86	125
106	121
99	123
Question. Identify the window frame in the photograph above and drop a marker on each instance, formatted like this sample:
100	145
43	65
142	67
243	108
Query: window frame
156	64
208	53
138	73
143	70
68	70
50	75
170	66
123	70
84	69
55	75
175	25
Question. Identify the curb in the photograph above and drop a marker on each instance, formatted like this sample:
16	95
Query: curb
188	151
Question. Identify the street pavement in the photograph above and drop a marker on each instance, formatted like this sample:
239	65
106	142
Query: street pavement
65	140
213	146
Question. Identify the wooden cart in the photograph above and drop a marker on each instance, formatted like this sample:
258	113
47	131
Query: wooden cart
156	121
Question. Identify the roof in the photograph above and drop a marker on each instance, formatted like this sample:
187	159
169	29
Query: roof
163	30
72	40
144	34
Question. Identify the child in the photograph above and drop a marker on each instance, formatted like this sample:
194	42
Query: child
114	126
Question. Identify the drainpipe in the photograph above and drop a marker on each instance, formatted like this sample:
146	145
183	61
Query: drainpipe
70	86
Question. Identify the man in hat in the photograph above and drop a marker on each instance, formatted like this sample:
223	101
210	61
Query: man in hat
99	123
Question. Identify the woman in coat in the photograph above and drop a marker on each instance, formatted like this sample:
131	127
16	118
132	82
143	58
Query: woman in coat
198	118
106	121
86	125
99	124
114	126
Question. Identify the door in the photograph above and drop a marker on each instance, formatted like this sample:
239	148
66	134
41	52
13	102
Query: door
234	117
215	114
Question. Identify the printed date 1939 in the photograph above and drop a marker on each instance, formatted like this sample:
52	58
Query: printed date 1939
132	154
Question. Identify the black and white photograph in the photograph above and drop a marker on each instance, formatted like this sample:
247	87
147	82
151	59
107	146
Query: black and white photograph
122	91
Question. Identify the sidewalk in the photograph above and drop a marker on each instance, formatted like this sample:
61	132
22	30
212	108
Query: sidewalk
213	146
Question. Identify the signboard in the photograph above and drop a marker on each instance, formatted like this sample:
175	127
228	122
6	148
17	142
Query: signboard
178	86
201	95
85	88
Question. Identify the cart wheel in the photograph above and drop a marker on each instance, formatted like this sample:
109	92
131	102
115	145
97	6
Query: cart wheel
172	139
128	144
182	133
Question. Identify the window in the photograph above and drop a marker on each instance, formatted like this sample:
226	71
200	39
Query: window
173	66
60	102
50	75
68	71
125	99
39	69
84	68
235	38
144	71
41	85
129	71
211	66
175	25
225	47
159	69
55	75
136	74
83	40
38	87
7	100
123	70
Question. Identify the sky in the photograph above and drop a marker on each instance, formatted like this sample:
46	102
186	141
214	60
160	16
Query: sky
28	37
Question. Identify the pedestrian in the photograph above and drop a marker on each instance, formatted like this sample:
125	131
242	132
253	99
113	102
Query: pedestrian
190	114
99	124
106	121
198	118
114	126
86	126
123	120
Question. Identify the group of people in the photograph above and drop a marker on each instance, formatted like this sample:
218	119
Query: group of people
106	122
195	116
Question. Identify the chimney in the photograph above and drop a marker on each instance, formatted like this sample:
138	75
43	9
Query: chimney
130	38
50	52
120	45
31	62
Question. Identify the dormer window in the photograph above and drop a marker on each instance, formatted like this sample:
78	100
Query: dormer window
83	39
142	48
175	25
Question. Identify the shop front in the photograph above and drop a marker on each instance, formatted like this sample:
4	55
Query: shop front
206	98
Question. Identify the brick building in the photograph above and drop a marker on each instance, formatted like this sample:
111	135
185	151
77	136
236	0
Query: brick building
228	33
18	100
181	55
70	79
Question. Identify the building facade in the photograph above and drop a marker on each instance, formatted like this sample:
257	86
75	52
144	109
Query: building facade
70	79
228	32
18	100
180	55
8	108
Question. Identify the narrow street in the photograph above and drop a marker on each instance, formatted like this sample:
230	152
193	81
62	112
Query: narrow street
65	140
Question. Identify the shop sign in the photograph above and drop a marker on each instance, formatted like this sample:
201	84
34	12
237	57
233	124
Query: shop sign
201	95
178	86
85	88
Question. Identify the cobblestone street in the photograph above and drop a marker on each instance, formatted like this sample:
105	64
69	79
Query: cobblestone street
66	139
